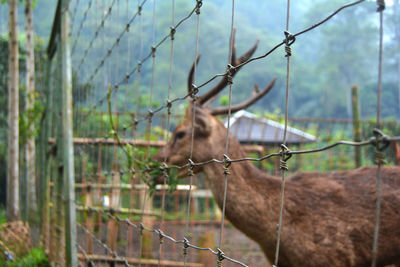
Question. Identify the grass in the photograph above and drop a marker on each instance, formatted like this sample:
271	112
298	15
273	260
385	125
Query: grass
2	215
35	258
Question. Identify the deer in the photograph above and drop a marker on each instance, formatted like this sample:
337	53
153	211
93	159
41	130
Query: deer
328	217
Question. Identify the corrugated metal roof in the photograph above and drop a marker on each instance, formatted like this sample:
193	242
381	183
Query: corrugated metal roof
248	128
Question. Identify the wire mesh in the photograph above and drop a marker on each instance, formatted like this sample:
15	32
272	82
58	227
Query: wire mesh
115	127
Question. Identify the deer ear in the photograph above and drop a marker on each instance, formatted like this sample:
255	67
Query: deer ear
202	122
202	125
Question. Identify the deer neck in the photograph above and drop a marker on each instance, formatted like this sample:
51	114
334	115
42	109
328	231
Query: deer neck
251	194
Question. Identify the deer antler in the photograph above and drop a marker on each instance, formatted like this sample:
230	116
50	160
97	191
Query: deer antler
255	96
209	96
191	75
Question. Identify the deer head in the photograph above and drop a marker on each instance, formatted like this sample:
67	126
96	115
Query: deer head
209	132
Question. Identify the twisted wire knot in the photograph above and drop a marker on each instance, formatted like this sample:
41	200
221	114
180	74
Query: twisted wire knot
288	51
381	5
283	165
289	40
150	115
285	155
139	66
153	51
185	246
173	31
381	142
191	166
164	169
220	257
135	124
379	158
160	236
141	228
194	90
112	211
229	73
132	170
227	163
199	3
169	106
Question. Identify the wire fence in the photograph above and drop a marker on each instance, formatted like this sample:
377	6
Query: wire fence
119	157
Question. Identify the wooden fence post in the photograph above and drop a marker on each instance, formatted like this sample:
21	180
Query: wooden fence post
356	125
68	149
112	225
44	160
58	207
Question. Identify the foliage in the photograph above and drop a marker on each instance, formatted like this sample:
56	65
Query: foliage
30	116
27	117
36	258
3	218
151	170
33	2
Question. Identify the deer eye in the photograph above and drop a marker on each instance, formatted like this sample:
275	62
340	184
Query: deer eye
180	135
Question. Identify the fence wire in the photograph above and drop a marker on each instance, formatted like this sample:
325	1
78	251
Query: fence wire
195	89
378	139
140	227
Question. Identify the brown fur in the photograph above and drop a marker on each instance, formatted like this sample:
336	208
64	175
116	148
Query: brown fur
328	217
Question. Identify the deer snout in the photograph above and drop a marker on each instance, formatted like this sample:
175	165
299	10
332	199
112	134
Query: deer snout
161	156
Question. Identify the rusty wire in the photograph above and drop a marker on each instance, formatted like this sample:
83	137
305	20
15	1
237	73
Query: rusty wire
141	227
137	68
73	14
382	139
105	246
289	39
378	149
149	122
169	102
193	97
226	158
113	46
283	42
85	255
171	67
96	34
80	26
379	139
